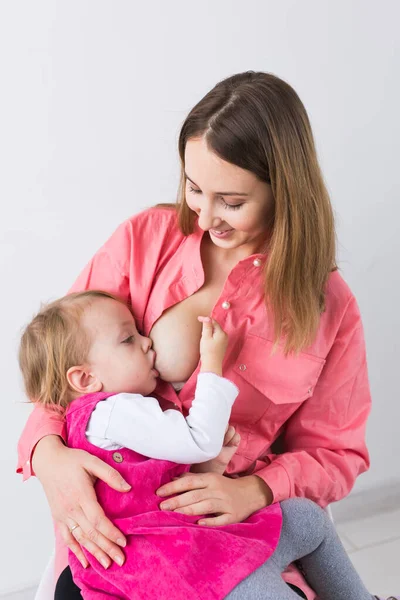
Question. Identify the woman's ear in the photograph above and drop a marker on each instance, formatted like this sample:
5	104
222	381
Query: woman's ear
82	381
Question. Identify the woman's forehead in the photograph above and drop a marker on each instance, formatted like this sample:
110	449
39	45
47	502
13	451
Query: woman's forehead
206	169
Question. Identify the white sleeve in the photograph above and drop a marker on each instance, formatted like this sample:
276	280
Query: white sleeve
137	422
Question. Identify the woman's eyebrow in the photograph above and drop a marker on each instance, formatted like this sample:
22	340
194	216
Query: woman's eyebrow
219	193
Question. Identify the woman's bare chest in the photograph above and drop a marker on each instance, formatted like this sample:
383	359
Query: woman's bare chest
176	334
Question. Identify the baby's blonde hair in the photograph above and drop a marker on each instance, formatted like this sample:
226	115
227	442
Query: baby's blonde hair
53	342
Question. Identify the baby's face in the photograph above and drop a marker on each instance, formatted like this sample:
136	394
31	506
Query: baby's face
119	356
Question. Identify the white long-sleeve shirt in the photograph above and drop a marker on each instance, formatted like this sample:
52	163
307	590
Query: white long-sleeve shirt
138	423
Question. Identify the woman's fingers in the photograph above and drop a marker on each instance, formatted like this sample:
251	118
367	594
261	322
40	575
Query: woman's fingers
101	470
209	506
72	544
95	515
185	499
224	519
191	481
99	546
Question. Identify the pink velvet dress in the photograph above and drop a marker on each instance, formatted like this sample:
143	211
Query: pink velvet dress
167	554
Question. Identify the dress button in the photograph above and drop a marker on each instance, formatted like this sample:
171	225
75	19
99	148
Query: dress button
117	456
226	305
257	262
242	367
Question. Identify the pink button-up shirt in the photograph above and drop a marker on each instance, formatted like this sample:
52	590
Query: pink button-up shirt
316	402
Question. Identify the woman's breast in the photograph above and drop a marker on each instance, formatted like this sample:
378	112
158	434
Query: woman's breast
176	337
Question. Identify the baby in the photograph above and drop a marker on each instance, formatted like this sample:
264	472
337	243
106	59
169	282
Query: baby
83	355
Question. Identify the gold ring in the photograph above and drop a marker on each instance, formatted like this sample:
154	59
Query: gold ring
73	528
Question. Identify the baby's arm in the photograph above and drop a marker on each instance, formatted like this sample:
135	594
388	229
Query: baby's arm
137	422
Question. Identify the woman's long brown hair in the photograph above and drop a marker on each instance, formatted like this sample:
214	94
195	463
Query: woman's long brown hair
257	122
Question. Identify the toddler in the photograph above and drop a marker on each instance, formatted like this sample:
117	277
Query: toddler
83	354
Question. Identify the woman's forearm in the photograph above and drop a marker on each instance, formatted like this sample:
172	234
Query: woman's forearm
45	448
40	424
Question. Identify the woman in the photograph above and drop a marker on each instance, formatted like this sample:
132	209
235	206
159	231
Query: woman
251	242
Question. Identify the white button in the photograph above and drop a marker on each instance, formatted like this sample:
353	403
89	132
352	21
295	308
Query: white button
257	262
242	367
226	305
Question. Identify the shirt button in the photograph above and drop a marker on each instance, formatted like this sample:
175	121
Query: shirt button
257	262
242	367
226	305
117	456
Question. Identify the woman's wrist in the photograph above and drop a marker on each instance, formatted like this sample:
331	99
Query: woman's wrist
45	448
259	493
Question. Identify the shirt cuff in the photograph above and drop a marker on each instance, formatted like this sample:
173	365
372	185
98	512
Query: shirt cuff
277	479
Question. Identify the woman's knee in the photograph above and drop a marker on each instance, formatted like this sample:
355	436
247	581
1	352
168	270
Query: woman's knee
304	520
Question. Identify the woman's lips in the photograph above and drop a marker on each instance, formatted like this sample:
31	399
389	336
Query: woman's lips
221	234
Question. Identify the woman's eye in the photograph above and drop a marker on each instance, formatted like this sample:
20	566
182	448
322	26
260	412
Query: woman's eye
226	205
128	340
231	206
191	189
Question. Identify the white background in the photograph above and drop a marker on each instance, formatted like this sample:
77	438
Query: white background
92	97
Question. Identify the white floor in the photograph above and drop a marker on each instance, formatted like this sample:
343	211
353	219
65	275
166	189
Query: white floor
373	544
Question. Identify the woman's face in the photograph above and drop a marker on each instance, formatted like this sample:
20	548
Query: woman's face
232	204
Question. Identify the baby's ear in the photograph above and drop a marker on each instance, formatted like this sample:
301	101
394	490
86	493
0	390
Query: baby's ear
81	380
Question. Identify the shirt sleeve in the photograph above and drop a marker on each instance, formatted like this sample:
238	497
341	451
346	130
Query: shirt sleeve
41	422
324	441
138	422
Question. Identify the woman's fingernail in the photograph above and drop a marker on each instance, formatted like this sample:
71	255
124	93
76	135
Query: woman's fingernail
125	486
160	493
121	542
84	564
119	560
105	563
165	506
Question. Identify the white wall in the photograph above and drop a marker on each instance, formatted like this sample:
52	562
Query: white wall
92	96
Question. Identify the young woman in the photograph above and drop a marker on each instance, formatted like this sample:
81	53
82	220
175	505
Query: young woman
251	242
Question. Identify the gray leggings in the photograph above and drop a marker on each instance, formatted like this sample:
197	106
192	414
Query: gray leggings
307	535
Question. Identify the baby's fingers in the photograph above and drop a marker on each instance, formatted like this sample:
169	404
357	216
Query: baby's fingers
217	330
207	331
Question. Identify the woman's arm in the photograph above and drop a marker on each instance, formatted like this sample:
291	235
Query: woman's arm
40	424
325	439
68	475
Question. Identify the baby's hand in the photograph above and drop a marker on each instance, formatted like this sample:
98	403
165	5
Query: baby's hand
220	463
213	344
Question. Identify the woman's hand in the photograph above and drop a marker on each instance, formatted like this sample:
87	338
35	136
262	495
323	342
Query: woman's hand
68	478
228	500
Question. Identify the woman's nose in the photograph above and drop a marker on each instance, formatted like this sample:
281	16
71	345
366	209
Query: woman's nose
208	220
